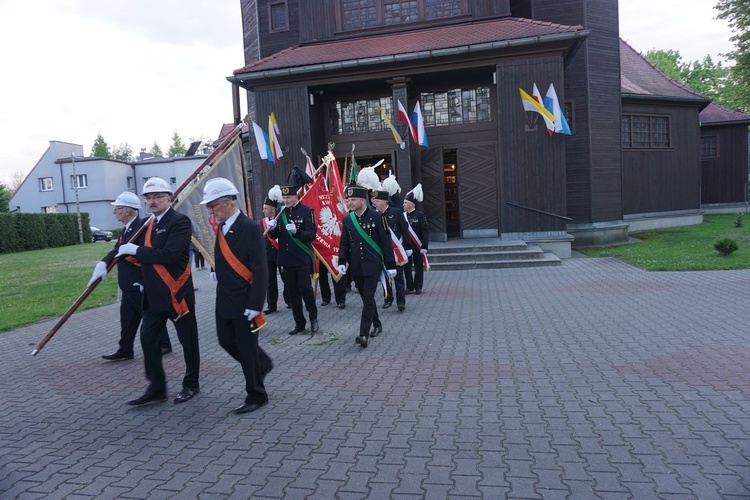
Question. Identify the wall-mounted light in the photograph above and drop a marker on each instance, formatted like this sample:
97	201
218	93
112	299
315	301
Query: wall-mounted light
312	99
494	77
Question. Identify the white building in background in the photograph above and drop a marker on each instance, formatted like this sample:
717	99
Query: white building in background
51	185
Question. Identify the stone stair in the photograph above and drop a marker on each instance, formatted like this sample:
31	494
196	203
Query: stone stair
487	253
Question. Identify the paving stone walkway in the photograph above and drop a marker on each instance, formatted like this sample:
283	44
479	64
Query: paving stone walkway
589	380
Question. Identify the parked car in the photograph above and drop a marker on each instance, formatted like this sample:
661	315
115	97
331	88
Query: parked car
98	235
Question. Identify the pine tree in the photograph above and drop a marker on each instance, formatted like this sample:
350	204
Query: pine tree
178	146
100	149
156	150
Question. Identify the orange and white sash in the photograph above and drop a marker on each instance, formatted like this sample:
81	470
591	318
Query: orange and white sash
180	307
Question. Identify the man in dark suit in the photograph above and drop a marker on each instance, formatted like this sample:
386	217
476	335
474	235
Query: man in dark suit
365	253
272	253
296	233
241	277
128	276
419	239
168	292
396	222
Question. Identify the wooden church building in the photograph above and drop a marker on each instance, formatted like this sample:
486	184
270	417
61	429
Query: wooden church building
325	68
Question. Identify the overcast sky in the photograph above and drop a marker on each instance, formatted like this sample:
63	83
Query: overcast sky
137	70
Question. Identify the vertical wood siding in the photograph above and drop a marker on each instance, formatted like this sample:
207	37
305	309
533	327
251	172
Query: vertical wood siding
724	179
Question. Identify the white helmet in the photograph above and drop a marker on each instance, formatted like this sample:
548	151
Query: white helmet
157	185
216	188
128	199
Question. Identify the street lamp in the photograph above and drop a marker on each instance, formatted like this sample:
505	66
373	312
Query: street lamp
78	205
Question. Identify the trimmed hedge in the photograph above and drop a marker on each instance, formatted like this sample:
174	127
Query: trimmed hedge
22	231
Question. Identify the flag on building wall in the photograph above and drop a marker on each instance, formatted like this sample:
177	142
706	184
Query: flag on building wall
403	117
530	104
549	122
264	145
273	135
418	120
387	121
229	165
552	104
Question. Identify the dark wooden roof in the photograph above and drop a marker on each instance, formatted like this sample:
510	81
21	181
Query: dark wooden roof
420	44
714	114
640	78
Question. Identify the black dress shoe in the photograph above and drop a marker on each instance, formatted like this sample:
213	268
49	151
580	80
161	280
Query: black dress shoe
418	292
387	304
362	341
186	394
289	306
376	330
408	291
248	408
314	326
165	350
325	302
117	356
341	305
149	398
297	329
270	310
401	307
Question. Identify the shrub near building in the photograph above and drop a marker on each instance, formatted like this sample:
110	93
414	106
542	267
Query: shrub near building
22	231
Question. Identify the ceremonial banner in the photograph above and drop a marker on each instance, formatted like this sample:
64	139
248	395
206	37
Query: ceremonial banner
328	218
229	165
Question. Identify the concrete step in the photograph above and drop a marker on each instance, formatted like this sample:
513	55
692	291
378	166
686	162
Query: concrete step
526	253
468	246
546	259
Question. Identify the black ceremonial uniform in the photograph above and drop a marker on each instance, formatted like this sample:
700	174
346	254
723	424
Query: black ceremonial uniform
169	246
365	264
272	254
395	219
128	275
418	222
234	294
296	263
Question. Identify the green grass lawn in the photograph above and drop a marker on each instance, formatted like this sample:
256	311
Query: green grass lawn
689	248
43	284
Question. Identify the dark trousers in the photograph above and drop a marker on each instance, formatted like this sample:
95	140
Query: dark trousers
415	262
366	285
272	294
235	337
299	285
398	281
200	261
339	288
130	319
187	333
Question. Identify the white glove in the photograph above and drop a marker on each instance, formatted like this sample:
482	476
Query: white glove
392	273
271	223
140	287
127	249
341	269
213	276
409	252
251	314
423	251
291	227
100	272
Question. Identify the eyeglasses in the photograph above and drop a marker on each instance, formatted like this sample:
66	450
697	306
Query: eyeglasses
149	197
119	208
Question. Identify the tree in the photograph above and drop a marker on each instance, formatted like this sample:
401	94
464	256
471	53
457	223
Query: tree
206	144
5	194
156	150
122	152
178	147
16	179
705	77
100	149
737	14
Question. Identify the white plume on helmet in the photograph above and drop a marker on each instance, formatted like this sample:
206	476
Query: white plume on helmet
128	199
275	194
157	185
391	185
216	188
415	194
368	178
